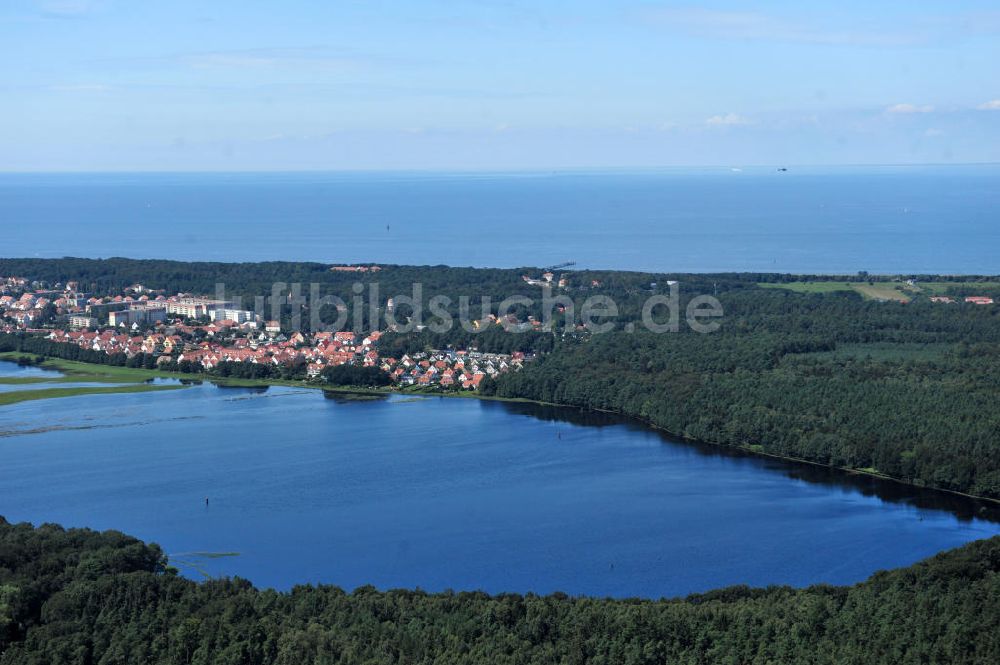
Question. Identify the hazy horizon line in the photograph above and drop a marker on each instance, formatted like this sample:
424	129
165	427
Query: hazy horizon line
386	264
733	167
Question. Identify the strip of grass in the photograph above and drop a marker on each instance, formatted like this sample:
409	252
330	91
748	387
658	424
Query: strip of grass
31	380
809	287
885	290
15	396
873	291
968	288
76	372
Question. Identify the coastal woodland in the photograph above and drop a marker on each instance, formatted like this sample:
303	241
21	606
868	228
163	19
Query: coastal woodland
82	597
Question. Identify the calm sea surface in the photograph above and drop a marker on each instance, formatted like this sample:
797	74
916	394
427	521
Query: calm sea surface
889	219
450	493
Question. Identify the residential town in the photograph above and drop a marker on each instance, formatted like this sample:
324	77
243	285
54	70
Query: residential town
201	333
183	328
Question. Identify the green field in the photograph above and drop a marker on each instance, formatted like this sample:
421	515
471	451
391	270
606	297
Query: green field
966	288
76	372
128	380
809	287
898	291
885	291
122	380
870	291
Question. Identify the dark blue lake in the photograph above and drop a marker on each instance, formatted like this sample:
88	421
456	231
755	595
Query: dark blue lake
451	493
918	219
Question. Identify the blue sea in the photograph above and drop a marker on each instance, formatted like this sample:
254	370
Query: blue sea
920	219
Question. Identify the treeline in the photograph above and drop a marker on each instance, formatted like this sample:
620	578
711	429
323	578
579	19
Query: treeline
356	375
33	344
78	597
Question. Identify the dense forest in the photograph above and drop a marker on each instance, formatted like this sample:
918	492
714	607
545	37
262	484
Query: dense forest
79	597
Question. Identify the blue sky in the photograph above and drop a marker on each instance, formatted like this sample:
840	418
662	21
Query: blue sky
224	85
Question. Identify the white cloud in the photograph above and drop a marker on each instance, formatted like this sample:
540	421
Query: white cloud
909	108
932	132
727	120
992	105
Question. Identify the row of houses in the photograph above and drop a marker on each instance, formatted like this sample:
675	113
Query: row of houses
317	352
25	310
451	368
112	342
975	300
444	368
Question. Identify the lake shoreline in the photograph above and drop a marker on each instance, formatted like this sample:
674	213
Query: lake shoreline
742	449
143	375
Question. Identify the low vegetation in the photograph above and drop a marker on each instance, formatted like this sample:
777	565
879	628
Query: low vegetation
16	396
71	371
889	289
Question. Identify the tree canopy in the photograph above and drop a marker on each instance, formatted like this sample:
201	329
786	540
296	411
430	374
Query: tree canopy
81	597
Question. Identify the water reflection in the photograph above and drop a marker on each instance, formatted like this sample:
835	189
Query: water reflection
408	490
345	397
963	507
